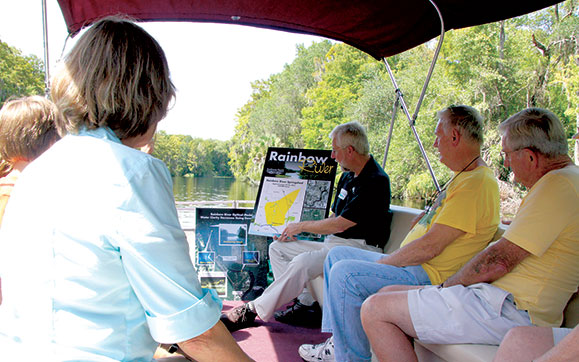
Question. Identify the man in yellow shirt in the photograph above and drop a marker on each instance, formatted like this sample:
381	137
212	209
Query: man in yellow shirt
459	224
525	278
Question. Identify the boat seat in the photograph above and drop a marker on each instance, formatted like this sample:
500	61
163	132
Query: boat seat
401	220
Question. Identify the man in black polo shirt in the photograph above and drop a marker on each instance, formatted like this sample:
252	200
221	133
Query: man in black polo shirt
360	218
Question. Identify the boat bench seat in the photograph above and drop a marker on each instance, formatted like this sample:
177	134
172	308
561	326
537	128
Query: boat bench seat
401	220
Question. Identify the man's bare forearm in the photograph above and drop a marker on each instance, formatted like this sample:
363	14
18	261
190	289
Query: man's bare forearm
482	269
325	227
424	248
331	225
407	257
489	265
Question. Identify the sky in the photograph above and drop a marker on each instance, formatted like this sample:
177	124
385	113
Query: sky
212	65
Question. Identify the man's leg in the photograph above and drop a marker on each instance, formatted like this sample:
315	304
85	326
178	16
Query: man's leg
437	315
566	346
351	282
299	257
540	344
525	344
335	255
387	323
305	312
282	253
291	282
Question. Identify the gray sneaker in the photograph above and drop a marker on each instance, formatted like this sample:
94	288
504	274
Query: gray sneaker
323	352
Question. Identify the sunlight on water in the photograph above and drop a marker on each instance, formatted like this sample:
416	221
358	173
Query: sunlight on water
212	189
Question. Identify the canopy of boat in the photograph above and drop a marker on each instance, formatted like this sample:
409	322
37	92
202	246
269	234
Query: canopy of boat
380	28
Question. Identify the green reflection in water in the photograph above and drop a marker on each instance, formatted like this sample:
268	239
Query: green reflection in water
212	189
225	188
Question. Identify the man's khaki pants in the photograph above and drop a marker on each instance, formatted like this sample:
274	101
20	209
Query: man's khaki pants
294	263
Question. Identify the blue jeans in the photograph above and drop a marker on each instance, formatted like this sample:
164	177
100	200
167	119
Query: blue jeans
350	276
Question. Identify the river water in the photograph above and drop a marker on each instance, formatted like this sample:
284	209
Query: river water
212	189
225	188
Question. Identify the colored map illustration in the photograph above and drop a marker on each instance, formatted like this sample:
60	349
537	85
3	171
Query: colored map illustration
281	202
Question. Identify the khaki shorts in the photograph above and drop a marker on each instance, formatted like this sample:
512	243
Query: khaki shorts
559	334
479	313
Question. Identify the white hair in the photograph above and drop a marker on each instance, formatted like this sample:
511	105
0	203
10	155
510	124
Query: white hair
351	134
537	129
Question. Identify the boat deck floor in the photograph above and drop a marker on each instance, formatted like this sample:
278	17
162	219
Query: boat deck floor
268	341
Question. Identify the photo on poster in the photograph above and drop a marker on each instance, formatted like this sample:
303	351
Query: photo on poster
205	257
232	234
221	231
250	257
214	280
296	185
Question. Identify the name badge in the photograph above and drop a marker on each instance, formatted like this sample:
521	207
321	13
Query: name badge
343	194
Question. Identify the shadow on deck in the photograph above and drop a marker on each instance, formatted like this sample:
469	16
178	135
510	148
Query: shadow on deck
270	341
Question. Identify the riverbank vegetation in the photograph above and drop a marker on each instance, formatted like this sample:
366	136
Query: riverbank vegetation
188	156
499	68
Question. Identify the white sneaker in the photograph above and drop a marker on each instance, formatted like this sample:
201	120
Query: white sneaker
318	352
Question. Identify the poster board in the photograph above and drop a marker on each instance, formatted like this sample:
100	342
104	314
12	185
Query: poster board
296	185
227	258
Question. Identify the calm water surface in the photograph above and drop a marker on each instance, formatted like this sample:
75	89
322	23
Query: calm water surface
212	189
224	188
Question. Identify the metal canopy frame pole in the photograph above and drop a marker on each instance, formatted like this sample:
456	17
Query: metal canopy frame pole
400	100
46	58
394	112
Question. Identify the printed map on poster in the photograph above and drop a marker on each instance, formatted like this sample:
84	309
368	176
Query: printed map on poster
281	201
296	185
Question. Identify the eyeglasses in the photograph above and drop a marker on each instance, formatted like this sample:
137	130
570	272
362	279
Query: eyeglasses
505	154
334	150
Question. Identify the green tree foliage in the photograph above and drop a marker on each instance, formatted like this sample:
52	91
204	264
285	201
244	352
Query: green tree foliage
345	71
273	115
185	155
499	68
19	75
